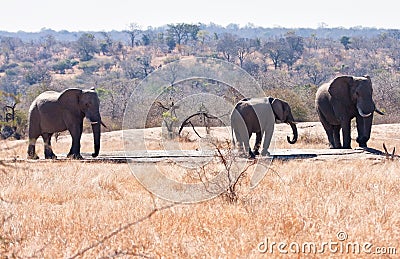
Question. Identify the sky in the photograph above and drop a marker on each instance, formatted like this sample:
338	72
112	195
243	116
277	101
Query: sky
102	15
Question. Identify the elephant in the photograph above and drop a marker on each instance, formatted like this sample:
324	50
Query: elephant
258	115
53	112
339	101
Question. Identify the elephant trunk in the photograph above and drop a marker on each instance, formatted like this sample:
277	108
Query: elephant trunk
364	126
295	134
96	138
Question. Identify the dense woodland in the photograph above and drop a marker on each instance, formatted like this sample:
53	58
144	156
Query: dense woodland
288	63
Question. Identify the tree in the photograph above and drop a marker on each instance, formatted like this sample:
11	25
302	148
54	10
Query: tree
358	43
8	46
312	42
226	45
106	44
114	94
203	36
11	43
294	48
245	47
315	70
345	41
13	122
63	65
146	39
144	67
133	30
171	43
37	74
137	66
204	39
181	33
86	46
275	50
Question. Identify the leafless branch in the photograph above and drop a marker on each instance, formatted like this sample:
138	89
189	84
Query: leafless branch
230	178
119	253
387	154
187	121
162	105
120	229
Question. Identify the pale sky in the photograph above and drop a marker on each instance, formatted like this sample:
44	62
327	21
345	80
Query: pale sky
101	15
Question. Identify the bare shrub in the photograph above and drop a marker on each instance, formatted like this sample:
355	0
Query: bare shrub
232	174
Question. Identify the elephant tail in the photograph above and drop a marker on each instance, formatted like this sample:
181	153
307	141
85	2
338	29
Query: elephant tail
34	130
233	139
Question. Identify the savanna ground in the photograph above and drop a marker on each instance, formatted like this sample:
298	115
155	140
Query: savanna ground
74	209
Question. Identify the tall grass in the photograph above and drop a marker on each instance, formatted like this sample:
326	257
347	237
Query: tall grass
96	210
52	211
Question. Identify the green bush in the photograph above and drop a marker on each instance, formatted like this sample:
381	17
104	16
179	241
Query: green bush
63	65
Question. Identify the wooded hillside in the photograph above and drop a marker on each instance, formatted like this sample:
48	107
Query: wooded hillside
288	63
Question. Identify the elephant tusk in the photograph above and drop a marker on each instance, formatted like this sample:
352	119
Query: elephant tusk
102	123
365	115
362	114
379	112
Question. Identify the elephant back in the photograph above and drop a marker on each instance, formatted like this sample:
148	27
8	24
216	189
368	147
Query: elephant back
46	97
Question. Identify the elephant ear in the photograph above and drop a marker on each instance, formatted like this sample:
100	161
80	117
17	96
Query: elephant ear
69	99
277	107
340	88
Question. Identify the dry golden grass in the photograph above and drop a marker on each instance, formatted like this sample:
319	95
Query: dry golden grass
87	210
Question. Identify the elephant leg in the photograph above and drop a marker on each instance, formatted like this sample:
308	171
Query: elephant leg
269	131
346	130
363	130
76	134
329	130
240	141
258	143
31	149
329	133
48	151
247	145
333	134
336	136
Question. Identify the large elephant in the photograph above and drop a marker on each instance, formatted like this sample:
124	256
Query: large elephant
339	101
54	112
258	115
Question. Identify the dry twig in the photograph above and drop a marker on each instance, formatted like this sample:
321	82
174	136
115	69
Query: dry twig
120	229
387	154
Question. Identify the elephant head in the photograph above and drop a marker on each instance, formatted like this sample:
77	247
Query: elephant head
352	97
283	113
356	92
84	103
